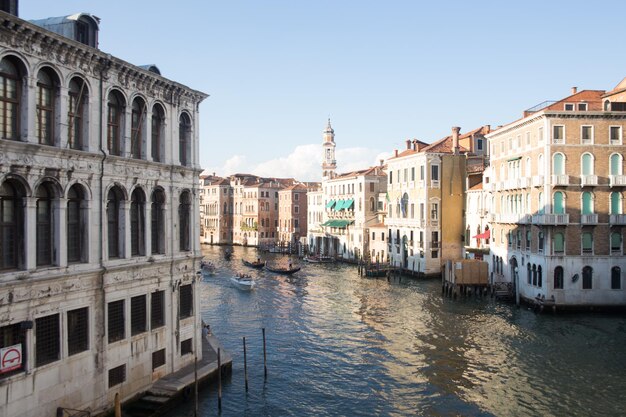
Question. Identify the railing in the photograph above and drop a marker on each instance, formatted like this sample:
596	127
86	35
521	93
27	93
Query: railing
434	222
551	219
537	180
562	180
588	180
617	180
588	219
492	218
435	245
525	219
617	219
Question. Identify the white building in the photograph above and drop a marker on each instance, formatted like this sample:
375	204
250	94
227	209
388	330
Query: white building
99	235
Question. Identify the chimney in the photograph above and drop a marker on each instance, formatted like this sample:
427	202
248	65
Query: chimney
382	161
488	128
408	143
414	144
455	139
574	90
395	152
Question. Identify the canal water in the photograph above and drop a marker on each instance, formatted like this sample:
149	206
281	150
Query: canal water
342	345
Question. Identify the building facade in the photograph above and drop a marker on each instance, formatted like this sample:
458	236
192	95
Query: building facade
99	237
292	214
216	206
557	197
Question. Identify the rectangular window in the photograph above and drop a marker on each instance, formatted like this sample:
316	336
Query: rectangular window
421	172
479	144
434	172
47	340
615	135
157	309
587	242
296	209
138	315
390	177
77	331
558	134
528	138
117	375
586	135
186	301
158	359
186	347
540	135
296	196
569	107
434	211
540	242
412	173
115	327
582	106
406	172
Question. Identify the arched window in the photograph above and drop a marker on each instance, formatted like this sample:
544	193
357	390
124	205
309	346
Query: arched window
467	236
10	99
157	222
46	99
158	126
184	139
225	208
539	277
11	225
558	206
587	203
534	274
558	164
137	223
615	162
558	244
529	274
540	242
528	168
115	123
587	242
587	277
404	203
541	209
137	129
77	113
558	278
540	169
115	225
616	242
45	224
616	203
372	204
184	221
76	225
616	278
587	164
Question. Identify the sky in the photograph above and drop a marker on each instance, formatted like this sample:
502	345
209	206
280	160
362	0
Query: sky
382	71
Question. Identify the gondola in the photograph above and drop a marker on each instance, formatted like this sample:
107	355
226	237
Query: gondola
256	265
228	254
284	271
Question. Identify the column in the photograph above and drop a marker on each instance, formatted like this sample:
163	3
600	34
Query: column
30	233
60	231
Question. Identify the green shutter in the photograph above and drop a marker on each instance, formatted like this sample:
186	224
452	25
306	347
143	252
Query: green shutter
559	242
587	209
558	203
587	164
615	203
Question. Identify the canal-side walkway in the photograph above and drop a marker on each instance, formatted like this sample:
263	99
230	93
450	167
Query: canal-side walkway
171	389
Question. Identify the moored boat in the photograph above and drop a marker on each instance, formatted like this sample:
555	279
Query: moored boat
285	271
243	281
317	259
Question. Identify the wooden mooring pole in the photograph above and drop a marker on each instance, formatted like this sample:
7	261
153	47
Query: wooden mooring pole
245	363
264	356
195	385
219	379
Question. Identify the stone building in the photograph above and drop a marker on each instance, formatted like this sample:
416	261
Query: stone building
99	233
292	214
216	206
557	197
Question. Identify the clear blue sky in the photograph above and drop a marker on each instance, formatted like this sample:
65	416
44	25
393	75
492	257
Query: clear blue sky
383	71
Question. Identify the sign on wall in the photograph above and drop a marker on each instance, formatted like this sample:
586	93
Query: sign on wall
10	358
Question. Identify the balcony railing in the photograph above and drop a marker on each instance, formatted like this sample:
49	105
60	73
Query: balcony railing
551	219
589	219
619	219
588	180
617	180
562	180
537	180
435	245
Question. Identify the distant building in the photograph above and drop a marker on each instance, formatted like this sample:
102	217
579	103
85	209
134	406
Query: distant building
216	205
99	235
292	214
557	186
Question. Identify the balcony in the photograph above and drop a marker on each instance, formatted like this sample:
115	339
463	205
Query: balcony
537	180
617	180
551	219
434	183
588	180
523	182
492	218
589	219
617	219
525	219
435	245
560	180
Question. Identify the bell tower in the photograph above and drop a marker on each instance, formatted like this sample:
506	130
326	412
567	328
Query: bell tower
329	163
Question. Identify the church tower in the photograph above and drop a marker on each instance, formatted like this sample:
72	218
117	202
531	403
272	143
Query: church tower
329	163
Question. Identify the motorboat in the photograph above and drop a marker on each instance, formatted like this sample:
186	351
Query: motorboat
285	271
207	268
243	282
256	265
319	259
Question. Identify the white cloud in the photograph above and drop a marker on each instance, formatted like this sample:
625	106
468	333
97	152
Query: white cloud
303	164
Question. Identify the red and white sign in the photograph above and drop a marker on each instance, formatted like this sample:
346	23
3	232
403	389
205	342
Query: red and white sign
10	358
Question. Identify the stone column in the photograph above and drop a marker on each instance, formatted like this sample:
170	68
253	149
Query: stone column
30	233
61	119
148	228
124	229
60	231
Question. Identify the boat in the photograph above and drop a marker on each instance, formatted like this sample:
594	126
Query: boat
228	254
207	268
285	271
256	265
317	259
243	281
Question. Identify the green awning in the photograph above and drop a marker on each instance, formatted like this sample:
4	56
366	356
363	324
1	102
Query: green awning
339	205
330	204
337	223
348	204
517	158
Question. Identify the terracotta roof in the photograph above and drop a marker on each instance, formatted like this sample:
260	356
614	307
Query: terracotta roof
376	170
593	98
477	187
443	146
621	87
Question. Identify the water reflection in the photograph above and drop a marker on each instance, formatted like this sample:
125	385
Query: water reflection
344	345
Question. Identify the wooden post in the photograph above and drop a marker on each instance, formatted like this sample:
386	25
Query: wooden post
195	385
264	356
219	379
118	405
245	363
